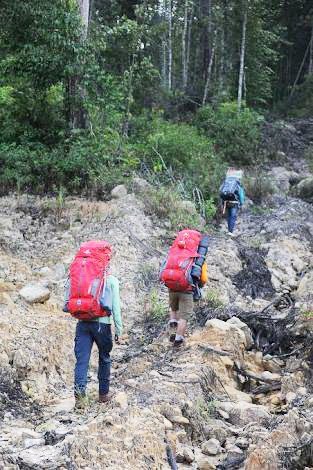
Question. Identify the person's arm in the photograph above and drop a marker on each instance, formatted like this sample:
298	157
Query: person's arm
116	306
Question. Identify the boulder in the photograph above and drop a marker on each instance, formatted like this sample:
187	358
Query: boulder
205	462
263	458
243	413
305	288
281	176
211	447
217	429
304	189
119	191
184	454
35	293
247	332
225	335
286	259
121	400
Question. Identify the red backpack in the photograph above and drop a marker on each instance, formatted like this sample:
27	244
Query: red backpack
87	278
176	273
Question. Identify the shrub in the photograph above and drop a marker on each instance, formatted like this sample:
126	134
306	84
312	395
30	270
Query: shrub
259	188
166	203
157	308
83	163
301	105
178	153
235	134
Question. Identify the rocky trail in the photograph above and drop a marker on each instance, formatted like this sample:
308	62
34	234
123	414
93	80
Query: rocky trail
238	396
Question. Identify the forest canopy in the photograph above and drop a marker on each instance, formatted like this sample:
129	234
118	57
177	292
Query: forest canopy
94	90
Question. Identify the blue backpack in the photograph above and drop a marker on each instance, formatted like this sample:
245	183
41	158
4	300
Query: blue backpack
229	189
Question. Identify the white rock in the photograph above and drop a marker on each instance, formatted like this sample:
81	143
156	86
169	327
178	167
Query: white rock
167	424
179	419
121	400
240	324
119	191
211	447
33	443
35	293
290	396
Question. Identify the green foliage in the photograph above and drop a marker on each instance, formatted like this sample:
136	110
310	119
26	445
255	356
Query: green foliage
235	134
301	104
259	188
212	298
307	314
210	209
166	204
157	310
89	164
205	409
177	152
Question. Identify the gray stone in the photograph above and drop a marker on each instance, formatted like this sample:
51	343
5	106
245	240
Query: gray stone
242	443
35	293
139	185
119	191
240	324
33	443
304	189
211	447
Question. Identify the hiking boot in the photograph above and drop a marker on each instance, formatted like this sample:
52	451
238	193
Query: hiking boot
172	337
105	397
178	343
80	402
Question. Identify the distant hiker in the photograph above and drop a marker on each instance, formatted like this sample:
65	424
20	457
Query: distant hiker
92	297
232	196
184	273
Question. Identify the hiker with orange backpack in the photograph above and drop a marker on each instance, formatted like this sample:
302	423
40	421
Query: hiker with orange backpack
92	298
184	273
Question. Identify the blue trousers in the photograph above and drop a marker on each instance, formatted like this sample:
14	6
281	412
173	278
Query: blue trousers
88	332
232	217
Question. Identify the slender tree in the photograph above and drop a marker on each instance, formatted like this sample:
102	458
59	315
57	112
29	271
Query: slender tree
242	55
170	44
311	50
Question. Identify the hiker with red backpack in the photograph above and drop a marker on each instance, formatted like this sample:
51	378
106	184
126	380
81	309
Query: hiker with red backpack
92	297
184	273
232	196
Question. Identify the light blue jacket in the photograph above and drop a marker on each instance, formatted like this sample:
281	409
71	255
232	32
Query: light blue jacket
241	195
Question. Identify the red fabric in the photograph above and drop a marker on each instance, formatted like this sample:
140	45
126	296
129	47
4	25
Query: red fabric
86	279
176	274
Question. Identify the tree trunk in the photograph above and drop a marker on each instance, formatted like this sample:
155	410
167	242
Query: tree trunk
84	14
162	13
77	115
170	50
184	53
311	52
189	43
208	78
242	56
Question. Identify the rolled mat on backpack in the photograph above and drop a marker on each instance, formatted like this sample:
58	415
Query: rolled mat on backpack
202	252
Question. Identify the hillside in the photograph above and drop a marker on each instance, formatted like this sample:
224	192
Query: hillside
239	395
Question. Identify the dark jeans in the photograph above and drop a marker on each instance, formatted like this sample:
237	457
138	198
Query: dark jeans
88	332
232	217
